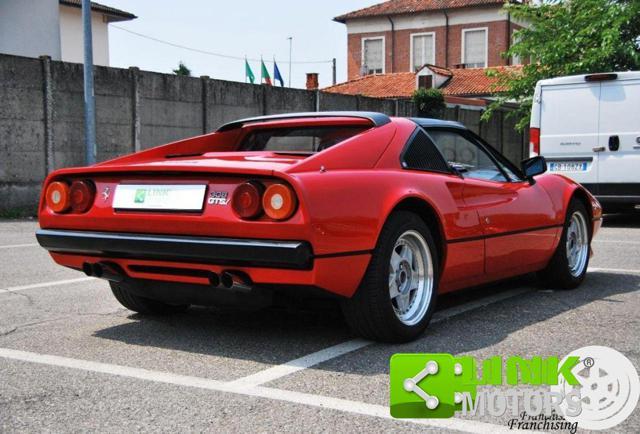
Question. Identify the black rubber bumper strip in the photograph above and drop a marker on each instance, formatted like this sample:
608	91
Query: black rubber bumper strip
249	252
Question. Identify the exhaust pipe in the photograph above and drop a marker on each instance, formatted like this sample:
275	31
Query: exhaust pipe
104	270
214	279
236	280
87	268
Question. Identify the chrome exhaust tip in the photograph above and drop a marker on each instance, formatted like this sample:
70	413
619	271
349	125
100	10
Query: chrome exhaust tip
87	269
214	279
226	279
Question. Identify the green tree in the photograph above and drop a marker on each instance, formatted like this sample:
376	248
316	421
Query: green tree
429	102
182	70
568	37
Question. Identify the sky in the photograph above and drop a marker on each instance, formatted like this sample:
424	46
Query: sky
251	28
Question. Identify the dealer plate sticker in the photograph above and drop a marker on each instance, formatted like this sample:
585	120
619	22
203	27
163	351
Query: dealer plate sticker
568	167
177	197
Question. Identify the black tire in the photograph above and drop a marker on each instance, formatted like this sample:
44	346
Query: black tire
370	312
557	275
142	305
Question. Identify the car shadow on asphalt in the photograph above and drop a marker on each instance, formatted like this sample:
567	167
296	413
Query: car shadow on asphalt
630	220
277	335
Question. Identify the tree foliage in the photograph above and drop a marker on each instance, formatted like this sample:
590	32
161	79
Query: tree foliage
182	70
568	37
429	102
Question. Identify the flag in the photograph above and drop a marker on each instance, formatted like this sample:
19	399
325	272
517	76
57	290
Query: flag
264	73
248	73
276	73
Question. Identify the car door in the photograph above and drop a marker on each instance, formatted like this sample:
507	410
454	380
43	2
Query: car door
516	216
619	138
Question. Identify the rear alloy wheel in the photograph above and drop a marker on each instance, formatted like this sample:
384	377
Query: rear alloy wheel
142	305
568	266
397	295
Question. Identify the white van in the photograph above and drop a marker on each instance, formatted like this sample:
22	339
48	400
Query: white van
588	128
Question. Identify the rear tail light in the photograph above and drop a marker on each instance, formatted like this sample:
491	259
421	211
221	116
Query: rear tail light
534	141
279	201
246	200
81	195
57	197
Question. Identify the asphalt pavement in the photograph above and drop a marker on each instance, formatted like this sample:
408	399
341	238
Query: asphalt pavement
72	359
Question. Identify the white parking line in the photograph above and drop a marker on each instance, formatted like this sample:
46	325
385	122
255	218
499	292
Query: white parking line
293	397
327	354
616	241
46	284
612	270
13	246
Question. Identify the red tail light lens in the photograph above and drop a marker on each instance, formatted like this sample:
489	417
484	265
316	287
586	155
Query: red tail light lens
57	197
81	195
534	141
246	200
279	202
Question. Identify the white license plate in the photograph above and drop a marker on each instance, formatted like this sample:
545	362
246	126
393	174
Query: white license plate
159	197
568	167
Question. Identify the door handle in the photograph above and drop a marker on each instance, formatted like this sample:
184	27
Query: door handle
599	149
614	143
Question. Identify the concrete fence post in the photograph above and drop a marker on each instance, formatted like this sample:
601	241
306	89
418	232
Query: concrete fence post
47	92
317	100
204	80
136	123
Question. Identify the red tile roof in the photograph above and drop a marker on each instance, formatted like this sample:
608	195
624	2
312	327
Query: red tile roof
462	82
398	7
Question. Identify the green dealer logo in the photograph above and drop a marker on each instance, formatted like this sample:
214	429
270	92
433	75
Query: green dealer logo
141	194
439	385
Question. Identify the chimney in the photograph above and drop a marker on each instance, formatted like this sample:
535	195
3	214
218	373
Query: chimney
312	81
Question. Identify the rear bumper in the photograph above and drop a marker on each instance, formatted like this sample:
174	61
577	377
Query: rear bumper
258	253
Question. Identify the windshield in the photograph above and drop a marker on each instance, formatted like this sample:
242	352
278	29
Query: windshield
298	139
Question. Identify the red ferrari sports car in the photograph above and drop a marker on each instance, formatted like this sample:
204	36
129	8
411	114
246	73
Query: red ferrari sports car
381	213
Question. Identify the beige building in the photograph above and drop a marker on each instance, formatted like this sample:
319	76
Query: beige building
33	28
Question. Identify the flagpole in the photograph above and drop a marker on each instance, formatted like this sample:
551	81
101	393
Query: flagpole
290	38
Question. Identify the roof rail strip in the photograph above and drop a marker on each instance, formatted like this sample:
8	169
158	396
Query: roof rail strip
377	119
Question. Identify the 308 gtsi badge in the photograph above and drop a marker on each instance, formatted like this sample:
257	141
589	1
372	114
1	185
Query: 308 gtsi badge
381	213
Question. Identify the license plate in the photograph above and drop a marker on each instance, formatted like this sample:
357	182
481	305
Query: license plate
159	197
568	167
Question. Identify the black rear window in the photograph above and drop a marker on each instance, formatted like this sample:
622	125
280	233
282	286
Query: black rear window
298	139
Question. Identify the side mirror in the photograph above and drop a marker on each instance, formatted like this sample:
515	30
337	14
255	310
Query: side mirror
533	166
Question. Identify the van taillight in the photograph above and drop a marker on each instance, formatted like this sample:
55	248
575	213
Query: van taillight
534	141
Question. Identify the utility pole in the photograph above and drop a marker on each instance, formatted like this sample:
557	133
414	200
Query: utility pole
89	97
334	70
290	38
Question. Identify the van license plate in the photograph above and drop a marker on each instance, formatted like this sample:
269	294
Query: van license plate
178	197
568	167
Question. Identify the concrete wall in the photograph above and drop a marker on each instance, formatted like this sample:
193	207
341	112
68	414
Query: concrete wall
42	117
30	28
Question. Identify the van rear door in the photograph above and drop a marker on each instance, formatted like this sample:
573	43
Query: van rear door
569	129
619	162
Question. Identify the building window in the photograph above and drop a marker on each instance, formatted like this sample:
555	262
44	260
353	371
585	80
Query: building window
474	48
373	56
423	50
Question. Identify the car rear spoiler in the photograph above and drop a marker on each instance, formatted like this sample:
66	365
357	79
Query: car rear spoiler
377	119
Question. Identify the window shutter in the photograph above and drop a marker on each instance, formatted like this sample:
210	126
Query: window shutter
422	51
373	56
475	48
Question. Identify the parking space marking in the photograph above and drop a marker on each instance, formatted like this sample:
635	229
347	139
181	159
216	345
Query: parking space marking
301	363
310	360
612	270
293	397
615	241
13	246
46	284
